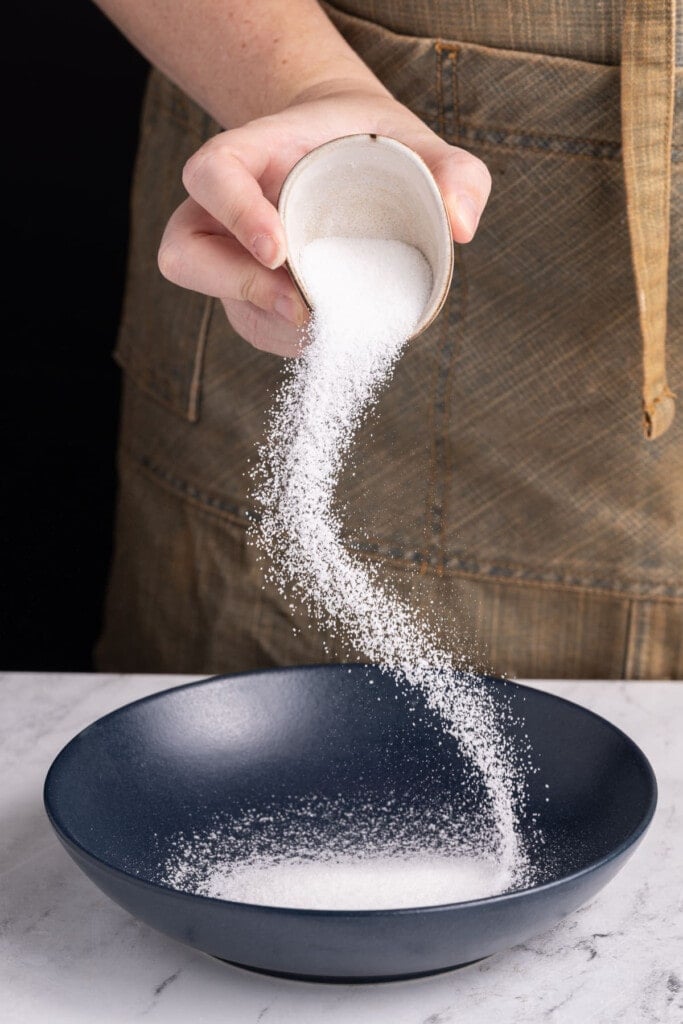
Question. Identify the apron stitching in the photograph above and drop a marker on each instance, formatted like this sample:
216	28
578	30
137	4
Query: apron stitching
457	331
183	489
502	570
455	94
484	123
430	510
439	88
630	646
446	354
663	593
424	559
645	639
434	518
148	379
241	517
198	368
459	335
547	145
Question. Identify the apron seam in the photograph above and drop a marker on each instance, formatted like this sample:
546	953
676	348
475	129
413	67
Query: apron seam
455	91
432	552
543	136
428	531
448	448
440	105
221	508
630	646
145	377
183	490
513	581
195	390
535	56
488	139
458	330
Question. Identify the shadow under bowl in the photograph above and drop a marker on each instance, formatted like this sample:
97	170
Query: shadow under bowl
123	790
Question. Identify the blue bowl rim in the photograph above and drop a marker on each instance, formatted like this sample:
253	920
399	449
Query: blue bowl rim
630	842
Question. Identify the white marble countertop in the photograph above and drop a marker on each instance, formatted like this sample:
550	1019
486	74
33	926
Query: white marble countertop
68	954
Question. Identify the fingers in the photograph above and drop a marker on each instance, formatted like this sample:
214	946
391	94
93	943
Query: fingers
265	331
465	184
193	255
262	305
223	178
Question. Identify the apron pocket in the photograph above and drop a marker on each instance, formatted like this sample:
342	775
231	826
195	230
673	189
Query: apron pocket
163	328
537	472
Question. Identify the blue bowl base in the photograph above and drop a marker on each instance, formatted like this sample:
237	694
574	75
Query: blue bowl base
323	979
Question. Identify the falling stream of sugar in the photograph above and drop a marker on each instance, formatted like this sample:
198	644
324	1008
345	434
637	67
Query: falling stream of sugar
368	295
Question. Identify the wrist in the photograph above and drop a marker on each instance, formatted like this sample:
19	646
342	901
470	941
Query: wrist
346	83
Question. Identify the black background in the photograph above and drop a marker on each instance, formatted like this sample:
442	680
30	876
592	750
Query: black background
71	109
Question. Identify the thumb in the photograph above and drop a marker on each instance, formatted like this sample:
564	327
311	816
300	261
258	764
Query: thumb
465	183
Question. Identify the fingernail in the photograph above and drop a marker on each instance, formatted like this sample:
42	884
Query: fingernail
266	250
290	309
467	213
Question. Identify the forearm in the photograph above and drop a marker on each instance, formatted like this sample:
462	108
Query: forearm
240	59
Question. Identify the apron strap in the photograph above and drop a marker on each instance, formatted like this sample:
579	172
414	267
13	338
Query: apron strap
647	105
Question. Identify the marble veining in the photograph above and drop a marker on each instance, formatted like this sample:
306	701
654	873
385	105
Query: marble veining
70	955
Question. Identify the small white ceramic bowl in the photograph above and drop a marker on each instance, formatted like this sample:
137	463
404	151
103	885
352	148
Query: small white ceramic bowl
368	186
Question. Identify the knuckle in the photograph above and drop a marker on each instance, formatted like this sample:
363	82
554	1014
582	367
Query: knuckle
246	321
192	170
201	161
170	261
234	212
485	175
475	170
212	173
249	285
482	173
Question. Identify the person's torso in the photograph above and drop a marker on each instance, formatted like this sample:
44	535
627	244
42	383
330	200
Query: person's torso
508	443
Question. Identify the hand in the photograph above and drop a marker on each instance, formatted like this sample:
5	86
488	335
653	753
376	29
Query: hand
227	239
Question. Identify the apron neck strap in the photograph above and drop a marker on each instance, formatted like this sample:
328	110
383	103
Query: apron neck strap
647	106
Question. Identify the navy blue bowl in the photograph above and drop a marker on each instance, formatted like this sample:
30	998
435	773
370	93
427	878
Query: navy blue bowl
122	790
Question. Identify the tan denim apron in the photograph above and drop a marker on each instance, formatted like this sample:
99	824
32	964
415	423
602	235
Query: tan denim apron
507	478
